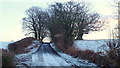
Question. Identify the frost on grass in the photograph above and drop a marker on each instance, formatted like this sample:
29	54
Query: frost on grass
75	61
89	44
34	46
26	58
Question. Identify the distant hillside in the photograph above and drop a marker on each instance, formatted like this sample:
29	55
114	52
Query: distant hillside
4	45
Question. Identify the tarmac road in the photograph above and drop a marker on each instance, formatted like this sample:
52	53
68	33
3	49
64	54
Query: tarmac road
47	56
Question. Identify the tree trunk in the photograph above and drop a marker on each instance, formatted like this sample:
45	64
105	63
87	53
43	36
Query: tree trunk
79	36
39	36
35	34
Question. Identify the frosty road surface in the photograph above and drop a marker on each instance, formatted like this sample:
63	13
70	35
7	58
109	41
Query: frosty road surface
46	56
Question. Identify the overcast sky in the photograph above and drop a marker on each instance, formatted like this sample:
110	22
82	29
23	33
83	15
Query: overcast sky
12	12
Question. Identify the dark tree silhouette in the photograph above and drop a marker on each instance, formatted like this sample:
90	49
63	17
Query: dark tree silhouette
72	19
34	22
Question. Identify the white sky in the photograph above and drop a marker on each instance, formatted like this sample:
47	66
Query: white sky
12	12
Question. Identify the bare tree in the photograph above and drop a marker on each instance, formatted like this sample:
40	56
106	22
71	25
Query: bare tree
34	22
73	19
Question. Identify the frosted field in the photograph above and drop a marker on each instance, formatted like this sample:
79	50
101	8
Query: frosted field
89	44
80	44
4	45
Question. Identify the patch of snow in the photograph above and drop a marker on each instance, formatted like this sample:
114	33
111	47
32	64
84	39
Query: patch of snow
45	56
53	45
24	58
56	60
76	61
89	44
36	42
34	46
48	60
